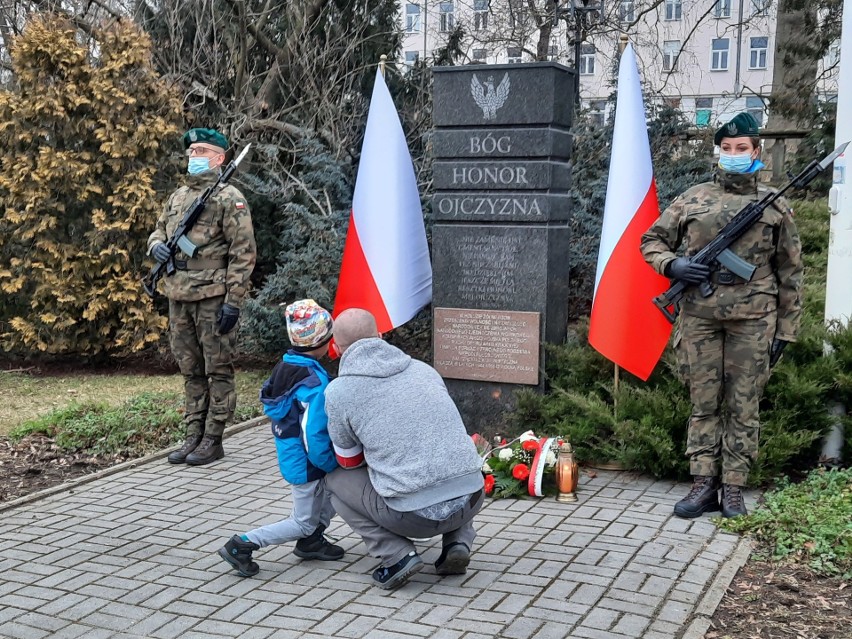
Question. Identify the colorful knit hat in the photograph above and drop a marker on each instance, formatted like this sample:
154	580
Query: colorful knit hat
308	325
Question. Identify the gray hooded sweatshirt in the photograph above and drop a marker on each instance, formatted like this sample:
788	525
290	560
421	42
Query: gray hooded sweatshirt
415	445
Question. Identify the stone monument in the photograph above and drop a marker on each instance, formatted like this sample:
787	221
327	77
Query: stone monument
501	236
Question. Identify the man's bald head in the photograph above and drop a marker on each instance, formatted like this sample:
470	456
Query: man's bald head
354	324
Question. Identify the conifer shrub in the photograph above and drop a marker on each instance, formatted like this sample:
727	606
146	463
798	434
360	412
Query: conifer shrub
643	425
84	130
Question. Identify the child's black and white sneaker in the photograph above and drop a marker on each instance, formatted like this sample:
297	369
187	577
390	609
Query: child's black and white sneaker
316	546
391	577
237	552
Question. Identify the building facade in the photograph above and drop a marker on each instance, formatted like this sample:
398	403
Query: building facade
710	60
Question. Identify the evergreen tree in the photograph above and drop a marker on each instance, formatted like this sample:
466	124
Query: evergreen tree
82	138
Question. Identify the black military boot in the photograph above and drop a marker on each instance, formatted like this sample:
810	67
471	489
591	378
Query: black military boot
733	504
703	498
316	546
209	450
179	456
237	552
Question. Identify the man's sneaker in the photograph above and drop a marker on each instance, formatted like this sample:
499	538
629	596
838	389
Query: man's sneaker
394	576
209	450
190	444
453	560
702	498
237	552
733	504
316	546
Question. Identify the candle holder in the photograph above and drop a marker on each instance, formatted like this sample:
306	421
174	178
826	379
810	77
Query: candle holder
567	474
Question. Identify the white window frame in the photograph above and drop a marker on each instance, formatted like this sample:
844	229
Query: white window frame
760	7
587	59
626	11
480	15
757	111
673	10
671	51
412	18
446	16
412	54
479	55
722	9
717	56
757	55
514	59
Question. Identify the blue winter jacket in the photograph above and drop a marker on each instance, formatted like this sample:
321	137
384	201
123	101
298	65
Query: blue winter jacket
294	399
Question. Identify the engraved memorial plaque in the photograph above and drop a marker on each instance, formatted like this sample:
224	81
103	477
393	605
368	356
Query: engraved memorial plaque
487	345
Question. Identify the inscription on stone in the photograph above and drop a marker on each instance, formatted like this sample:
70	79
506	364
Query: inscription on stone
495	346
488	265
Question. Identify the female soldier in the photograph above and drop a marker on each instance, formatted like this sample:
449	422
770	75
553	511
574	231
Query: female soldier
729	340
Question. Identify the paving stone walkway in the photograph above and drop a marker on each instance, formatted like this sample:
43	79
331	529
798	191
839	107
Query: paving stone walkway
134	555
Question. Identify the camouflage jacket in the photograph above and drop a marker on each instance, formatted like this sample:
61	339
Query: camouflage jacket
771	244
225	240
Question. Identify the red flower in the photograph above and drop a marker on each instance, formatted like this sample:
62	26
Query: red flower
521	472
530	445
489	484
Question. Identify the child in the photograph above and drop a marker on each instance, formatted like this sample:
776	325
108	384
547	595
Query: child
293	397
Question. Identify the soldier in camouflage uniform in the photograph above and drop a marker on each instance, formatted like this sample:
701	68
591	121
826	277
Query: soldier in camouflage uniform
727	342
205	295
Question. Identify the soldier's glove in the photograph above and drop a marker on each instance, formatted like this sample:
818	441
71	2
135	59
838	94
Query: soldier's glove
685	270
227	318
778	346
161	252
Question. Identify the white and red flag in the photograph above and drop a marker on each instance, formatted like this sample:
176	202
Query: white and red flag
625	326
386	268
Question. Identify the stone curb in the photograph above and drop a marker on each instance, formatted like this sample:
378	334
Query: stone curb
112	470
713	596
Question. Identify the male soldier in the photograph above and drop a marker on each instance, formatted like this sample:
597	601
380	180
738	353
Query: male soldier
205	295
728	341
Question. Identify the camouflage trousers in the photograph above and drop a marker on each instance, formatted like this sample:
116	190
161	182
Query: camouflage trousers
726	365
205	359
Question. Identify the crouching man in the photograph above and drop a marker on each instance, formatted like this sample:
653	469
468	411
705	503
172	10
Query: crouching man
409	470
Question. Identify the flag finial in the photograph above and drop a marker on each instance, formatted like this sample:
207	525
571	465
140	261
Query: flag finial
623	41
383	59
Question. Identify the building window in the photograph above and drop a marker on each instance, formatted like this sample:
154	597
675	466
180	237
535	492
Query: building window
446	16
754	105
833	56
411	57
480	14
627	11
757	55
587	59
674	9
412	18
703	111
722	9
597	112
671	49
719	61
759	7
552	52
514	55
479	55
518	14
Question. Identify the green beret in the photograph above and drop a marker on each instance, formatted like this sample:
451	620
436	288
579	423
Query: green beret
207	136
743	125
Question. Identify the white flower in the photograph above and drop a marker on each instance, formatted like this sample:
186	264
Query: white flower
486	468
505	454
527	436
550	458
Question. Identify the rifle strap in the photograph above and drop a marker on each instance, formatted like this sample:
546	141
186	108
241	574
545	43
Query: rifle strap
200	264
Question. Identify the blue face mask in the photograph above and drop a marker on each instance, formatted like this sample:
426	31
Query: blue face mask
198	165
735	163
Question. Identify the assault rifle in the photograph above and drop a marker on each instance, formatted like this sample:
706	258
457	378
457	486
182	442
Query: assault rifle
179	239
718	252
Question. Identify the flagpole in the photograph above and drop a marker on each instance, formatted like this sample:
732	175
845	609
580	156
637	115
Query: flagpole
382	62
622	45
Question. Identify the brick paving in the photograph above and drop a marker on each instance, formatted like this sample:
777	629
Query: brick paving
134	555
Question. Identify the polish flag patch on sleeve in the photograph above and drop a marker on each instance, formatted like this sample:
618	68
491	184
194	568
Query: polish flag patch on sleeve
349	457
240	204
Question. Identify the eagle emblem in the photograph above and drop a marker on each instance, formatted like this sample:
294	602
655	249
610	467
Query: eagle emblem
487	97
